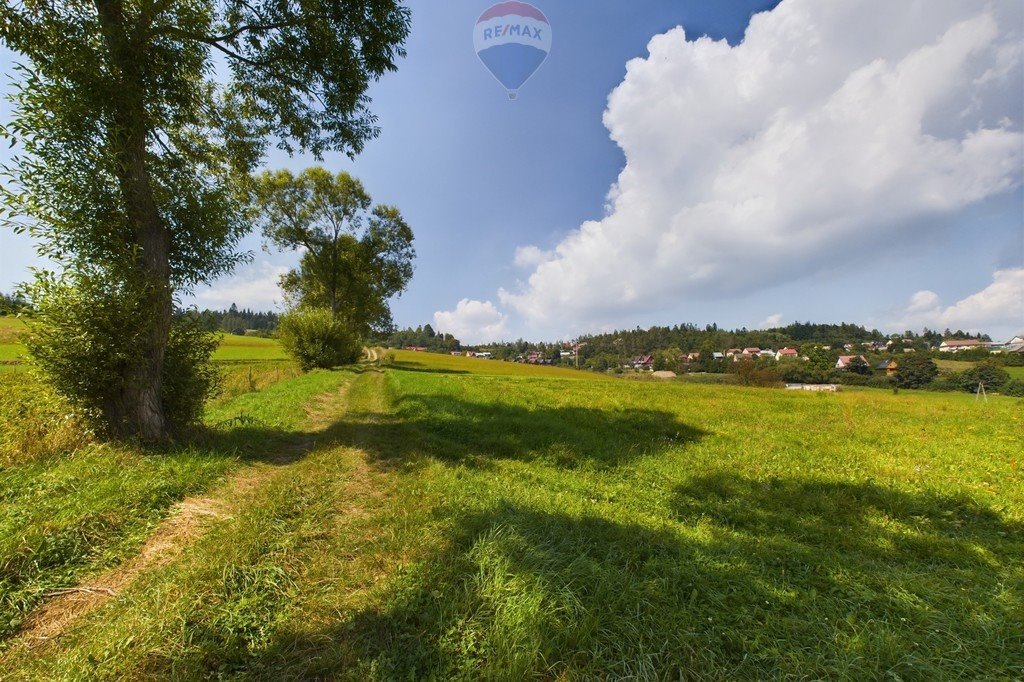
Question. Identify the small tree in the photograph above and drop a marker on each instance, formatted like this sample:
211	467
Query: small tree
916	370
355	256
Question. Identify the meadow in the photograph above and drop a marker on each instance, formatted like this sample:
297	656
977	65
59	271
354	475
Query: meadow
450	518
231	349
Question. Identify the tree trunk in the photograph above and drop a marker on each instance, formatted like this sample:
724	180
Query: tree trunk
138	409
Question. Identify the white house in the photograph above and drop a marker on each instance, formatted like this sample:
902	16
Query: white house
957	345
844	360
789	353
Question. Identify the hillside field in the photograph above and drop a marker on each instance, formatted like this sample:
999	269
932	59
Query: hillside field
449	518
232	348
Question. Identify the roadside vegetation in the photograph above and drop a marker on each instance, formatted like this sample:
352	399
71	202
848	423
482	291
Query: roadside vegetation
449	517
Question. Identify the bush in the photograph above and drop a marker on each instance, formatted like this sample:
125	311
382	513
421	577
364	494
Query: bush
318	340
86	332
190	377
987	372
916	370
749	374
948	382
1013	388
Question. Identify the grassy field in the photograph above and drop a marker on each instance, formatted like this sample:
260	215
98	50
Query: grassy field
451	518
248	348
232	348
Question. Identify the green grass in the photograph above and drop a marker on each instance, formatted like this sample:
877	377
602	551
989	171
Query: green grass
239	348
475	519
231	349
73	513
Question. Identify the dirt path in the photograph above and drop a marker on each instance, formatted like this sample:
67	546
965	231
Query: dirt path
189	520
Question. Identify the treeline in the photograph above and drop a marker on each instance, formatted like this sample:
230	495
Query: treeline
689	338
12	304
237	321
668	344
423	337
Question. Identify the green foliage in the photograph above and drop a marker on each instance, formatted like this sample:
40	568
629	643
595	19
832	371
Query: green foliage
420	338
916	370
190	377
87	330
138	125
355	256
749	374
12	304
318	340
1013	388
989	373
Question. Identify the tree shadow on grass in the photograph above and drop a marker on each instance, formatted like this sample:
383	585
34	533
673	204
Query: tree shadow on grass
790	578
457	431
422	368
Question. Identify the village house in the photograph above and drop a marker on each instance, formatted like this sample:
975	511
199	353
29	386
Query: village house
844	361
749	353
643	362
733	352
789	353
887	366
1015	345
957	345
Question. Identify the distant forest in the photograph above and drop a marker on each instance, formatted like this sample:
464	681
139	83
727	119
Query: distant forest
688	338
11	304
422	337
236	321
611	346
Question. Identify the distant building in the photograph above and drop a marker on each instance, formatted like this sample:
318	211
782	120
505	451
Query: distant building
958	345
790	353
844	361
643	362
887	366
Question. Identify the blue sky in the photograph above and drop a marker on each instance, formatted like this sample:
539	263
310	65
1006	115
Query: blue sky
478	176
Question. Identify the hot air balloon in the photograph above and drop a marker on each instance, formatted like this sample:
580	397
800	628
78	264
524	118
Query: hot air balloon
512	40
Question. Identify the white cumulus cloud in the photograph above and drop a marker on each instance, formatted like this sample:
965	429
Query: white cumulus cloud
1000	305
253	286
832	130
472	321
771	322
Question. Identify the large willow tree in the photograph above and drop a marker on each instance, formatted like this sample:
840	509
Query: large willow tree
136	124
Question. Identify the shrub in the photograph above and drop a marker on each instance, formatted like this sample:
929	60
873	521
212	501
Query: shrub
948	382
1013	388
190	376
86	331
749	374
916	370
318	340
987	372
